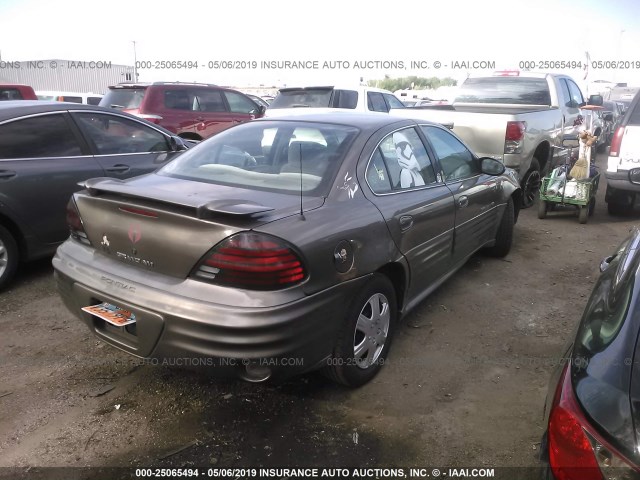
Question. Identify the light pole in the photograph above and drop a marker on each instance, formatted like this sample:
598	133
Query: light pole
135	63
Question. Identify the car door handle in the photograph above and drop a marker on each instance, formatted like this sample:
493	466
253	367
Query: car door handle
606	262
406	222
463	201
118	169
7	173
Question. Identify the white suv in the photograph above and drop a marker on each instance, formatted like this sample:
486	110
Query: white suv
359	99
623	166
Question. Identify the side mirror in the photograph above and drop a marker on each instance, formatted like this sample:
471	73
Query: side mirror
596	100
177	144
260	110
491	166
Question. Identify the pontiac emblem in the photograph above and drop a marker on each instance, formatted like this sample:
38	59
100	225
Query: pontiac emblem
135	233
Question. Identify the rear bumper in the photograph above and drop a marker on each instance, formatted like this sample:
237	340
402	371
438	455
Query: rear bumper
620	181
175	329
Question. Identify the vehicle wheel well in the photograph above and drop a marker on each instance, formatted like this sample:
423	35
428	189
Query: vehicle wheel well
542	154
13	228
191	136
395	272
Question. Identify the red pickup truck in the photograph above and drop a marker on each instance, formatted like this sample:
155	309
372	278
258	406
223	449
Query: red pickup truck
17	92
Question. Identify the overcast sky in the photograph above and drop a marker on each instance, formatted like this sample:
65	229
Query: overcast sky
505	32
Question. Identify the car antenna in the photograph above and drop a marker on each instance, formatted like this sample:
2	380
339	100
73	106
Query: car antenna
300	157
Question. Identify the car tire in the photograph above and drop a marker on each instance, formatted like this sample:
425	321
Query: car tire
531	184
615	208
543	208
583	215
504	235
8	256
375	310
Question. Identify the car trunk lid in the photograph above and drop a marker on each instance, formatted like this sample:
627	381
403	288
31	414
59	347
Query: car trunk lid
167	225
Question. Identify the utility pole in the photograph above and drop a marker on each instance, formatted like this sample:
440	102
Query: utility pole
135	63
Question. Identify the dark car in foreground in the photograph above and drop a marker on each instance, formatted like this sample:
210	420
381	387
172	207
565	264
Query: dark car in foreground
46	148
283	245
593	404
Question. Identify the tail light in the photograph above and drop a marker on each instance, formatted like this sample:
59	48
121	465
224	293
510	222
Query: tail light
575	451
616	142
75	223
254	261
514	137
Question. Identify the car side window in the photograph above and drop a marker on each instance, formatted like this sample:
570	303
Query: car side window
111	134
576	94
238	103
177	100
208	101
456	160
37	137
345	99
377	174
408	164
375	102
392	101
566	94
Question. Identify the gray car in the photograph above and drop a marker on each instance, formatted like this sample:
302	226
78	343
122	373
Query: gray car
46	148
283	245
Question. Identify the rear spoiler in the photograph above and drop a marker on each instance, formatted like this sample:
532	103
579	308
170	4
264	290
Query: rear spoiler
235	207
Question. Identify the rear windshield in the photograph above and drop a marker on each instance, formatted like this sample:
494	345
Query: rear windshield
278	156
123	98
317	98
511	90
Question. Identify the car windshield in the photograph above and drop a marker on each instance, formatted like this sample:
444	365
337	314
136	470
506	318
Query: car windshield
319	98
278	156
123	98
508	90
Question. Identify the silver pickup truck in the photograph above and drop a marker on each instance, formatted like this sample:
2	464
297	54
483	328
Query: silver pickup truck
515	117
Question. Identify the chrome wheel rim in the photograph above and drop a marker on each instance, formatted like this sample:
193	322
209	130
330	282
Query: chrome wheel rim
4	258
372	329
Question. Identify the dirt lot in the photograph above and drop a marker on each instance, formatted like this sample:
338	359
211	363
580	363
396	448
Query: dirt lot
464	385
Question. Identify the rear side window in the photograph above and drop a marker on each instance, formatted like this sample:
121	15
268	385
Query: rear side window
123	98
512	90
316	98
376	103
405	163
10	94
345	99
93	100
37	137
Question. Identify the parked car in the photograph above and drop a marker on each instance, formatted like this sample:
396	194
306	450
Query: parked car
297	100
16	92
516	117
259	101
73	97
611	116
46	148
284	245
592	408
190	110
623	166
